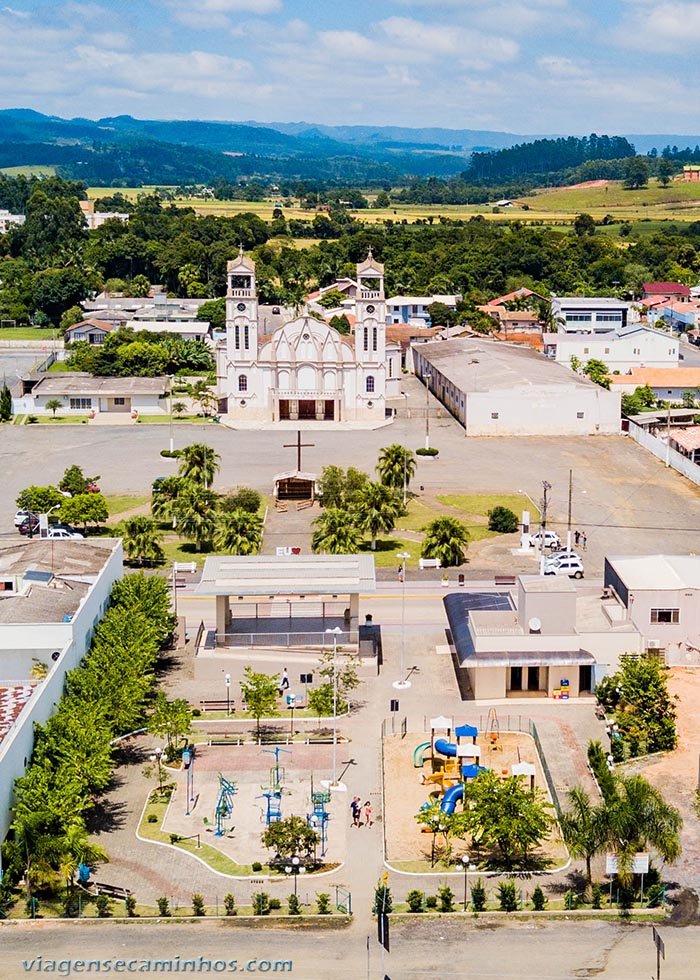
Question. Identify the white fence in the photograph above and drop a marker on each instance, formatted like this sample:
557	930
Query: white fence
658	447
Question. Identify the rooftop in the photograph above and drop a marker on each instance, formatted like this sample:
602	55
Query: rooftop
13	698
673	377
482	366
591	302
78	383
260	575
546	583
658	572
688	439
50	578
665	287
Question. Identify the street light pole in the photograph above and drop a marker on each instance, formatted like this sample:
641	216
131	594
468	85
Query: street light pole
427	377
334	783
228	695
465	864
405	482
171	380
403	682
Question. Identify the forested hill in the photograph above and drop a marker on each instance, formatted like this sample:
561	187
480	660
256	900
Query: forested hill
545	157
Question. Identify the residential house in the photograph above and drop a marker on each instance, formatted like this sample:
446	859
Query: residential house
499	389
668	384
686	441
83	394
413	310
681	315
622	350
674	290
591	314
92	331
52	596
95	219
8	220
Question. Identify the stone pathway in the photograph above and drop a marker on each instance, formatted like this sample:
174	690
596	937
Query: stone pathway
290	529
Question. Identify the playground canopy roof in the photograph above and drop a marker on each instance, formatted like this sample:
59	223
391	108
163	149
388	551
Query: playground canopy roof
284	575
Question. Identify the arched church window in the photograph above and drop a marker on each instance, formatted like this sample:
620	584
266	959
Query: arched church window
243	382
365	344
238	337
369	384
246	336
374	338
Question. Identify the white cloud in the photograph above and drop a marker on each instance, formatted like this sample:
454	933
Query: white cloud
22	14
217	14
660	26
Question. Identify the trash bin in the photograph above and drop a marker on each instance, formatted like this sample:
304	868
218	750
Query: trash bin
460	578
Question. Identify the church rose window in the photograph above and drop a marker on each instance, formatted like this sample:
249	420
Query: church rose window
243	383
370	384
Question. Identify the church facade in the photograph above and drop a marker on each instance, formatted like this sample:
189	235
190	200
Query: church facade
305	370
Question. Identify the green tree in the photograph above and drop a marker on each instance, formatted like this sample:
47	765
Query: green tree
196	515
338	487
320	701
148	595
635	173
332	298
260	693
689	399
478	896
584	225
503	520
141	539
242	498
664	171
441	315
5	403
505	816
199	463
164	497
73	315
396	466
85	508
171	720
598	372
139	286
201	393
213	312
335	533
75	482
39	500
53	405
376	508
383	900
508	896
644	710
446	538
584	828
291	837
347	677
639	818
238	532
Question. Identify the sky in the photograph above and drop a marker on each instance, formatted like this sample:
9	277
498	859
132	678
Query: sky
523	66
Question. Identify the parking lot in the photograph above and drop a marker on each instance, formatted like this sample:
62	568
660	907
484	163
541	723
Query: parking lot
625	499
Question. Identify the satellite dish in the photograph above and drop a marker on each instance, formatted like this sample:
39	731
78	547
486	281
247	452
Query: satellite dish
535	626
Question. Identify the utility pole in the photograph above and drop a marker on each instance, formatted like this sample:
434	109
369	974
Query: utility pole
546	487
427	409
668	435
568	531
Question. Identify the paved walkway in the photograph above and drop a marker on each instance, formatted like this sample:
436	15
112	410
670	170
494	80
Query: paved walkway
290	528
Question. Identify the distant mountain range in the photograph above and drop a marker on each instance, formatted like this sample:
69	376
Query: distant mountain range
122	149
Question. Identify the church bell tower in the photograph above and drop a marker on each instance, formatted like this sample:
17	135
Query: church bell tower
241	310
370	306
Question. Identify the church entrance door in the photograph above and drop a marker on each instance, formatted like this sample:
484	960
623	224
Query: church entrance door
307	409
329	409
284	409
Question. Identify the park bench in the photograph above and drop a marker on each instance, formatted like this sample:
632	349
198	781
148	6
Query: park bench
226	738
217	705
504	579
112	891
428	563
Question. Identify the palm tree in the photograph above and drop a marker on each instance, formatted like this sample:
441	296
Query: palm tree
196	514
164	497
376	508
53	405
199	463
141	539
639	818
335	533
238	532
200	392
446	538
179	408
584	828
396	466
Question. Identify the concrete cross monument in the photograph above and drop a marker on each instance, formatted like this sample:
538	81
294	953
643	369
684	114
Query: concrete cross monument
299	445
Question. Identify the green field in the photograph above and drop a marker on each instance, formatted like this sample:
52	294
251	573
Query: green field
27	333
31	170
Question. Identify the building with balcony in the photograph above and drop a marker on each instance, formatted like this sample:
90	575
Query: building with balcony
304	369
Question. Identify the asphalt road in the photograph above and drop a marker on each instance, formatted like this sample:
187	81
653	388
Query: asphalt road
437	949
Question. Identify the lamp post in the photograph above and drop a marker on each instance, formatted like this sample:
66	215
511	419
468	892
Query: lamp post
427	377
294	868
171	380
437	828
334	633
228	694
405	481
464	861
404	682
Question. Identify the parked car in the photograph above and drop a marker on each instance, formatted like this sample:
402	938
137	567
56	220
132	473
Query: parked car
61	533
21	516
564	554
551	539
573	567
30	523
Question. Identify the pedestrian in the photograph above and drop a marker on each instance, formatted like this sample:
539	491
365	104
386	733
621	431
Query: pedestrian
577	537
368	813
355	809
400	573
285	680
584	539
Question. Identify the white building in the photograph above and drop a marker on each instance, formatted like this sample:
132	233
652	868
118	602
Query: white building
7	220
668	384
304	369
413	310
496	389
592	314
52	596
635	346
83	394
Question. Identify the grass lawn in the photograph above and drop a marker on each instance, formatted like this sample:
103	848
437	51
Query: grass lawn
30	170
479	504
60	367
27	333
58	420
165	419
389	548
120	503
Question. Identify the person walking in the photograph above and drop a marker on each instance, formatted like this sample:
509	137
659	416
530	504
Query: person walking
285	680
584	539
577	537
368	813
355	810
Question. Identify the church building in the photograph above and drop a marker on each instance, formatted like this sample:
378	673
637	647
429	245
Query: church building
305	369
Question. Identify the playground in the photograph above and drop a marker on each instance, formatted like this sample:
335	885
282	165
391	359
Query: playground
435	765
229	795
